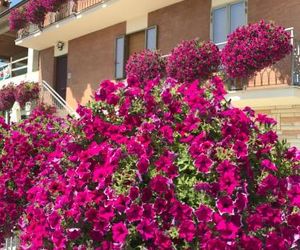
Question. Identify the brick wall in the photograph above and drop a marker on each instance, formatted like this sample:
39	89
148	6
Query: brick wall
46	65
288	121
285	13
90	60
185	20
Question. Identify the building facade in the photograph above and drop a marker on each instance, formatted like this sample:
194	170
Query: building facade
87	41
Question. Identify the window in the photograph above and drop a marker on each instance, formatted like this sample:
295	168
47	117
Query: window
226	19
128	44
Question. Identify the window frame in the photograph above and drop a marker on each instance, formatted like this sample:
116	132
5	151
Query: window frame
228	21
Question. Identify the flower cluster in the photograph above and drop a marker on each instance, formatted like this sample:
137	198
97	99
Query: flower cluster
17	19
52	5
7	97
192	60
26	91
252	48
35	12
145	65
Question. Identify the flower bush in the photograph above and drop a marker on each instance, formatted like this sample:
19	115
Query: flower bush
253	47
17	19
146	65
26	91
7	98
192	60
166	166
162	164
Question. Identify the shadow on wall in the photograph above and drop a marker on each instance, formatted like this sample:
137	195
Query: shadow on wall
80	94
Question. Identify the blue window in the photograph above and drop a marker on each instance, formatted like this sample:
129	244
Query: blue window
226	19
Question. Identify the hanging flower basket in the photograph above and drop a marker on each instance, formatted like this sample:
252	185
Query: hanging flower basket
7	98
27	91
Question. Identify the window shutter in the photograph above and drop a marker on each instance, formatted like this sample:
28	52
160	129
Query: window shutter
151	38
120	57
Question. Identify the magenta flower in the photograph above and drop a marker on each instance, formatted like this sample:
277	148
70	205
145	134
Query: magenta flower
167	133
146	229
268	165
228	182
203	163
203	213
119	232
134	213
225	205
187	230
241	201
227	229
240	149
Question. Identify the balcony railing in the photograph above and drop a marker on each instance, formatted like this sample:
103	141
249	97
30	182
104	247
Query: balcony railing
14	68
70	8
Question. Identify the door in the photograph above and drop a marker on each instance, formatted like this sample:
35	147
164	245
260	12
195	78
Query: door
61	75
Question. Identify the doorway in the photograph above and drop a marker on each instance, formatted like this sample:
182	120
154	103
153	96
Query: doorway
61	71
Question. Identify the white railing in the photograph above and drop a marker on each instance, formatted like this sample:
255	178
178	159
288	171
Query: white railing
14	68
51	97
10	244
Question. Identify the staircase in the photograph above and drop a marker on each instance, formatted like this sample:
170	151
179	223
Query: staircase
52	98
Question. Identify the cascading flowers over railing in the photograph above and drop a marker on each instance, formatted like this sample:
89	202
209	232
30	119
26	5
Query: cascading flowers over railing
251	48
33	12
160	164
192	60
146	65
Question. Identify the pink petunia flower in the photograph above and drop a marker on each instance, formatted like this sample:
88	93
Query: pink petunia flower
225	205
119	232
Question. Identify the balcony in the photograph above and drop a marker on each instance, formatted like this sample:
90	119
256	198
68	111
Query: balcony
76	20
17	71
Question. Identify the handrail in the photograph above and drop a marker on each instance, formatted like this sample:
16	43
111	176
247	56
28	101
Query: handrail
58	98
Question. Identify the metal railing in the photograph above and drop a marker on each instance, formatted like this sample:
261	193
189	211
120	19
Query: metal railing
70	8
14	68
51	97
